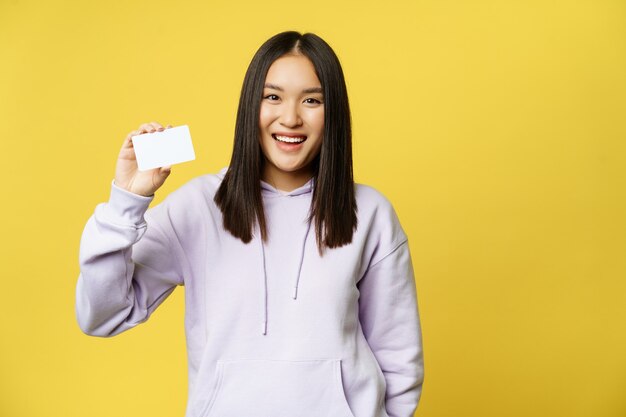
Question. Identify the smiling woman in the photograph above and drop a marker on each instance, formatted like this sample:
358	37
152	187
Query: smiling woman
279	321
293	86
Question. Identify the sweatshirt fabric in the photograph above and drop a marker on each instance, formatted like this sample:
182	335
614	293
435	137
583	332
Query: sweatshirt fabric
272	328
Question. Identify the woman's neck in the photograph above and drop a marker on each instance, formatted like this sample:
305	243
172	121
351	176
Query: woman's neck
286	181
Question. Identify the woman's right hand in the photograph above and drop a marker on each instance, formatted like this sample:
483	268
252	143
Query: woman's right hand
128	177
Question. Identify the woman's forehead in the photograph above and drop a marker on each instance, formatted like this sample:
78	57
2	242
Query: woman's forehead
292	72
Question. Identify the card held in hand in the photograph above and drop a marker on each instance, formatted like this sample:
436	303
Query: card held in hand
158	149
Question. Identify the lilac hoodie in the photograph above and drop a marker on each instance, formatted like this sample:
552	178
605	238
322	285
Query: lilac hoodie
272	329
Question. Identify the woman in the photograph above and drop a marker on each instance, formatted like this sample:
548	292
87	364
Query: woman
279	321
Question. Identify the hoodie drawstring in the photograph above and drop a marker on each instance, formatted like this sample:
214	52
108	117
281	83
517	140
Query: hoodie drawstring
264	278
264	294
297	280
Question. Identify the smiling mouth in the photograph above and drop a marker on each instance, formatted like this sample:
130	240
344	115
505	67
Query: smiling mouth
289	139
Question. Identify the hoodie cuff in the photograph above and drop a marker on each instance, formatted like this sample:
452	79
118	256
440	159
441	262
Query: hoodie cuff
126	206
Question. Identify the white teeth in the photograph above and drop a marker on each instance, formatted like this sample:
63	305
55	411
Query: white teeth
289	139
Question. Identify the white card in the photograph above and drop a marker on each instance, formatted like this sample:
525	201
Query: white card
171	146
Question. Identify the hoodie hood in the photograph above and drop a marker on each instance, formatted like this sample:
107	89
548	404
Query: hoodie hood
269	191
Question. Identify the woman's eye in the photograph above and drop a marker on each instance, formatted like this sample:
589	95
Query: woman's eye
272	96
312	101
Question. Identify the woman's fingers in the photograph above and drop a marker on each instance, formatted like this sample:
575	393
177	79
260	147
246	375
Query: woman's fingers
156	126
151	127
144	128
128	143
134	133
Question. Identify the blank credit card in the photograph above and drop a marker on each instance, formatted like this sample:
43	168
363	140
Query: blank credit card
158	149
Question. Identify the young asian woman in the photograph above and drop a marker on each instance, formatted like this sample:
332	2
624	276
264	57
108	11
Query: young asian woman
300	297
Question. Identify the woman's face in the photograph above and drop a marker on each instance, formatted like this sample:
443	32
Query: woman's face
291	121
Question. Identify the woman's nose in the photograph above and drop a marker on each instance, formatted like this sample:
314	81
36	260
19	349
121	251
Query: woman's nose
290	116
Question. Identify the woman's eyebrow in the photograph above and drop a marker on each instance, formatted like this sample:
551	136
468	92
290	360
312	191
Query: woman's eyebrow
306	90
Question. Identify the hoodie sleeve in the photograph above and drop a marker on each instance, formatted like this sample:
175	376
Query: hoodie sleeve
389	317
127	265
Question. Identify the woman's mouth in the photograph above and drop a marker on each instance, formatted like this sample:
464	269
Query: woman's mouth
289	139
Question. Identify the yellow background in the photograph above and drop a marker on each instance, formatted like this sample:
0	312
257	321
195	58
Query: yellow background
496	128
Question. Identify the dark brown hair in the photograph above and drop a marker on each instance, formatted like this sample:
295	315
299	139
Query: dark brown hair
333	205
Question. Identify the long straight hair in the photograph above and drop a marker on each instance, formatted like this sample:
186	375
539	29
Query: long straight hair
333	204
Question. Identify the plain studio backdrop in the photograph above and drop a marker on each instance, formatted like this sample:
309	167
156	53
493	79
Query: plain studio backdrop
496	128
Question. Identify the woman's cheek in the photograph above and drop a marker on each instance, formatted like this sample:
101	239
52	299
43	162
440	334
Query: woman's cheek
265	114
318	118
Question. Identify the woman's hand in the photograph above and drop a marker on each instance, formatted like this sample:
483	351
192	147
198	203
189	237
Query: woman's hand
128	177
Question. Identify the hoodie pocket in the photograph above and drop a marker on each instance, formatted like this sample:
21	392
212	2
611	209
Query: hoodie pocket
278	388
